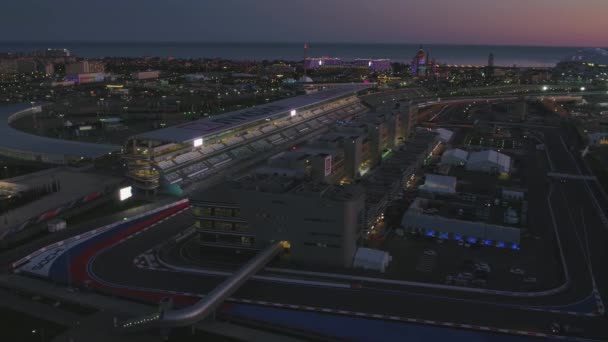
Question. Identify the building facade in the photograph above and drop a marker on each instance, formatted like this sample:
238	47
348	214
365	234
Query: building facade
322	223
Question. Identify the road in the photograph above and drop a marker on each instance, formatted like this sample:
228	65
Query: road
581	231
584	237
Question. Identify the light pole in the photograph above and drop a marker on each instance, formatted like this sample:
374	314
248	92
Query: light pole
101	102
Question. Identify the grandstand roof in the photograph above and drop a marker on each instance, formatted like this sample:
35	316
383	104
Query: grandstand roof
16	140
208	126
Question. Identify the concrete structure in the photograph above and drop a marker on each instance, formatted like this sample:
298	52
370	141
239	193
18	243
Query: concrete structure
20	145
206	306
489	161
195	150
321	223
454	157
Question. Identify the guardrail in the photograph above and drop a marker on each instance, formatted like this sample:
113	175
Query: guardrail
15	265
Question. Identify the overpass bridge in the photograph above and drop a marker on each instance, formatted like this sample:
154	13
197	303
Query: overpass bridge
169	318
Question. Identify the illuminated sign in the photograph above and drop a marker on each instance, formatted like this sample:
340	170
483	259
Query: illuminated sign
293	112
125	193
198	142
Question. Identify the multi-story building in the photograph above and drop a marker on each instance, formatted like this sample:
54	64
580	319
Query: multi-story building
375	65
318	62
84	67
258	210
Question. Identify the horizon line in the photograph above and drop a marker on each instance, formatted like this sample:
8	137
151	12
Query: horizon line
284	42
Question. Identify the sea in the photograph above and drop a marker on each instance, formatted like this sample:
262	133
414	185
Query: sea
522	56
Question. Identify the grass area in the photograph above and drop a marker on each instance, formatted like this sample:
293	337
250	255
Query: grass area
17	326
108	208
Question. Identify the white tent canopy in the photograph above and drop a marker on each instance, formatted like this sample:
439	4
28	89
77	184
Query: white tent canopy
371	259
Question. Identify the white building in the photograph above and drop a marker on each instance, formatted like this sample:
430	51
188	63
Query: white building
489	161
445	135
455	156
439	184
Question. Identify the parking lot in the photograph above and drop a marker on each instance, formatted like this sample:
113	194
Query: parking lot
428	259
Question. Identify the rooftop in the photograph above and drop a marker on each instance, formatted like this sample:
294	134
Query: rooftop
209	126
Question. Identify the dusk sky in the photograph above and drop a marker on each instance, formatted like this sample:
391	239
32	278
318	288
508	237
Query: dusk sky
519	22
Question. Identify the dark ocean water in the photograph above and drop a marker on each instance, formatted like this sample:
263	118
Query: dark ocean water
448	54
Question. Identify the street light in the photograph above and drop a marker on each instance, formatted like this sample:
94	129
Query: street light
545	88
583	88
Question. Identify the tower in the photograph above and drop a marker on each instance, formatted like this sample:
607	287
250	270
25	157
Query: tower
305	57
490	68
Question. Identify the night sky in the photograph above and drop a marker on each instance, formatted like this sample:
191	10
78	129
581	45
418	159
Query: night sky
519	22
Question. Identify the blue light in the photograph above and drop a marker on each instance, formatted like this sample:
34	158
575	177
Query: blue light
500	244
457	237
487	242
430	233
472	240
443	235
514	246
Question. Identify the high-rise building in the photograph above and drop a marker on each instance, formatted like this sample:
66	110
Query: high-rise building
491	60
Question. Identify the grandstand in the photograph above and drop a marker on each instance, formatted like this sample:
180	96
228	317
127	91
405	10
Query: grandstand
198	149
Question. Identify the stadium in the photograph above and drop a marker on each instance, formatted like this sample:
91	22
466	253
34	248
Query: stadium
174	157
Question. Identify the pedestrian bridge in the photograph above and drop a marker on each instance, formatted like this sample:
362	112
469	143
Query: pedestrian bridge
168	318
571	176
